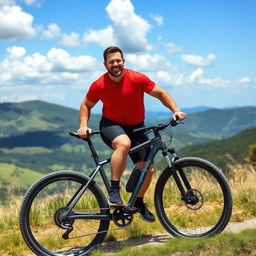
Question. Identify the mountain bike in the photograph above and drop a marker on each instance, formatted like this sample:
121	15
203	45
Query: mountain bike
67	213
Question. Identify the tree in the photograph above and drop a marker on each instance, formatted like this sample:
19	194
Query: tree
252	154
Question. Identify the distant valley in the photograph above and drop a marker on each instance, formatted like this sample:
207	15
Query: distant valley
34	136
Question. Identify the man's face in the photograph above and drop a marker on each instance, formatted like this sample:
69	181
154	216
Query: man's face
114	64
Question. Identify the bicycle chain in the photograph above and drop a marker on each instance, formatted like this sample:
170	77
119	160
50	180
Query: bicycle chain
104	231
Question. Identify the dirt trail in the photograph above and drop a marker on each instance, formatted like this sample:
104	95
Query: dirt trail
160	238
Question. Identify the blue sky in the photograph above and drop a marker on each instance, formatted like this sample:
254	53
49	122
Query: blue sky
202	52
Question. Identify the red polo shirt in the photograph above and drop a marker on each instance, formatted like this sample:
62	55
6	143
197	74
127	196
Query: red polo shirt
123	102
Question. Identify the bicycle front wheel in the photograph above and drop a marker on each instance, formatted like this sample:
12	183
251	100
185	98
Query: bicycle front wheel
210	209
44	205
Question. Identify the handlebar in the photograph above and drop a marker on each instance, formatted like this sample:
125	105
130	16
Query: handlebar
143	129
74	134
158	127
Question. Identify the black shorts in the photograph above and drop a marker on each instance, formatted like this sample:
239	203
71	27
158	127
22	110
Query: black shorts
110	130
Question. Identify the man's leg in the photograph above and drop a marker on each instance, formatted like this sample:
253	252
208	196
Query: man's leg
147	180
139	203
121	145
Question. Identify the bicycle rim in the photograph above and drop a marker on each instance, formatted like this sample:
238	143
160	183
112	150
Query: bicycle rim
38	222
210	213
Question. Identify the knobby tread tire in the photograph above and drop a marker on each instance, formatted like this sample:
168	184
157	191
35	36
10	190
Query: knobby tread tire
219	176
30	195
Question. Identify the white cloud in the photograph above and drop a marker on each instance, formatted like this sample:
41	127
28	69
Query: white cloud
16	52
158	19
157	67
244	80
33	2
147	62
215	82
170	78
103	37
7	2
61	61
36	3
15	24
53	32
171	48
57	67
196	74
199	61
129	29
17	97
71	40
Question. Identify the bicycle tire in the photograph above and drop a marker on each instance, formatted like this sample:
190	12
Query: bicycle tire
209	216
38	226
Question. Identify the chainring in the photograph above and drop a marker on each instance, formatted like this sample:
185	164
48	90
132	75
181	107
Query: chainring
122	216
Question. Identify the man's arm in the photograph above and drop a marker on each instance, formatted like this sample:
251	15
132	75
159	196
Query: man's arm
167	101
84	116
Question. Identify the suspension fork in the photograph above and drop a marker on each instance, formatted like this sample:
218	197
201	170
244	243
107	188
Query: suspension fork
172	165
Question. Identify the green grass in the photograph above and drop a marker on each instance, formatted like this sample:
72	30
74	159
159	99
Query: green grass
18	177
244	195
12	244
226	244
26	150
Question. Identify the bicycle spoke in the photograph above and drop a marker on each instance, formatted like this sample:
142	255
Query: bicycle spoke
202	207
46	212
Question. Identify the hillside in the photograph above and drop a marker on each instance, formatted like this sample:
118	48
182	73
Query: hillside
18	118
15	180
223	151
34	134
224	123
216	123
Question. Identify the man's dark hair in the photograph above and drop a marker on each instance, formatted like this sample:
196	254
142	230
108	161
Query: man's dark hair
111	49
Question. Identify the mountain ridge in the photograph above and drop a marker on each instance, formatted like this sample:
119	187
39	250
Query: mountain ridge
37	124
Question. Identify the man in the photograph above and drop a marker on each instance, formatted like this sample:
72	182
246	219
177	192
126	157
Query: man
122	91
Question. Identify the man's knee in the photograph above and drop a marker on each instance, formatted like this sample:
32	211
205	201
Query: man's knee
122	142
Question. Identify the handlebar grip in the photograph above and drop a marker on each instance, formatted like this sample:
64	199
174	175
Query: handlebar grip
74	134
142	129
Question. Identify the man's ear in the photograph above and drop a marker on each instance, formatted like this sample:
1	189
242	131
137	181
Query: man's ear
124	61
105	64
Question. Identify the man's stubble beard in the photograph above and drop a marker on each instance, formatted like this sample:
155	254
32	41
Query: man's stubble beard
117	73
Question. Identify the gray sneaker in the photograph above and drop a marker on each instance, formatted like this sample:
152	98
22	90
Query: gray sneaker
114	197
145	213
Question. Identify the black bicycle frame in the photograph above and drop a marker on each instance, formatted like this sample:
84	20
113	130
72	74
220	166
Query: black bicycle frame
156	144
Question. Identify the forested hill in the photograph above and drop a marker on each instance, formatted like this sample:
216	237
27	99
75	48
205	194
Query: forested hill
28	116
34	134
19	118
217	123
221	152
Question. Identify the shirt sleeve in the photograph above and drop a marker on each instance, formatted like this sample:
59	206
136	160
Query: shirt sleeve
145	83
93	93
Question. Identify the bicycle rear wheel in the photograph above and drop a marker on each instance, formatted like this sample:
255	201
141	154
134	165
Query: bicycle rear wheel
43	205
211	210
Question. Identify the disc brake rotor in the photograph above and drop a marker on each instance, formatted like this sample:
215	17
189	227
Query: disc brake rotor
196	199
